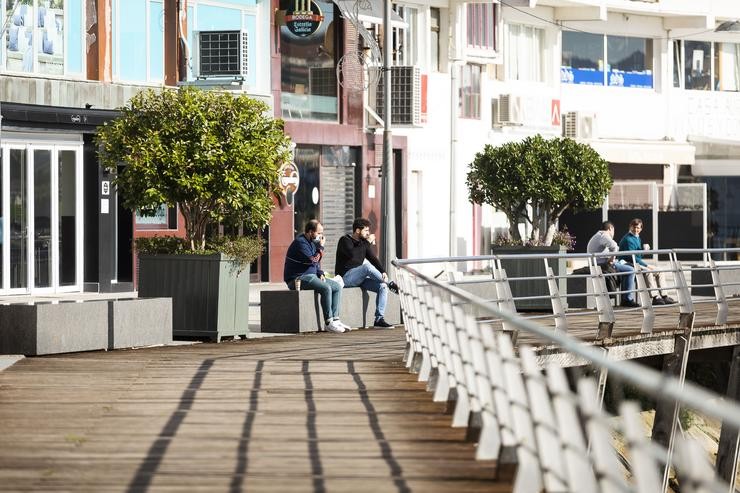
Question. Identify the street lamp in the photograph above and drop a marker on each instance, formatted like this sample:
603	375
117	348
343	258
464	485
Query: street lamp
387	202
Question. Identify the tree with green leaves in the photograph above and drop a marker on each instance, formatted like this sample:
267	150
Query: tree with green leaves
534	181
214	154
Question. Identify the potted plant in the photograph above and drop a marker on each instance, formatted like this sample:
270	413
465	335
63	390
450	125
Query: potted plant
216	157
533	182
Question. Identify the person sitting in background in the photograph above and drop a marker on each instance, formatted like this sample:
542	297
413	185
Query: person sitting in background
358	266
602	242
654	280
303	263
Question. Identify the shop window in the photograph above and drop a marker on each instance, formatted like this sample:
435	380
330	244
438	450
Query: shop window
524	53
706	66
470	91
42	35
481	26
434	33
164	217
630	61
697	65
583	58
138	28
405	49
308	61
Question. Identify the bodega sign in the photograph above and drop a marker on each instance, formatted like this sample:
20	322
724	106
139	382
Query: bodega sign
304	18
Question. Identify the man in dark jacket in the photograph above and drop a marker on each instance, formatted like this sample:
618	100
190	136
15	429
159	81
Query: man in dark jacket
303	262
358	266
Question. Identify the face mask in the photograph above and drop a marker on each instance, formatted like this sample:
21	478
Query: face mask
317	240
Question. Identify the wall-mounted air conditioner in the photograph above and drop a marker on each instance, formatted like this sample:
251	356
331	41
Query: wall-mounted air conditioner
579	125
221	54
507	110
406	96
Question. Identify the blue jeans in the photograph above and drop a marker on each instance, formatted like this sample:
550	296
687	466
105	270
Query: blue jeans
368	277
627	279
329	291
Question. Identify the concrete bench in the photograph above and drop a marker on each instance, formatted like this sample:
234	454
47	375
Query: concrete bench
287	311
729	273
71	326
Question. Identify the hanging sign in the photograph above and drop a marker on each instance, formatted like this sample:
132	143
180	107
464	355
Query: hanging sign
304	18
289	181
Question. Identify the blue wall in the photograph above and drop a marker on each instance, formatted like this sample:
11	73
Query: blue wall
74	36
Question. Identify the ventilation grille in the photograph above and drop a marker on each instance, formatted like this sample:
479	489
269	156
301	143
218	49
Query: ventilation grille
405	96
223	54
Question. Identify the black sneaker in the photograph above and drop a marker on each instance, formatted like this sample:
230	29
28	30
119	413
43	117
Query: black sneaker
393	287
628	304
382	324
658	301
667	300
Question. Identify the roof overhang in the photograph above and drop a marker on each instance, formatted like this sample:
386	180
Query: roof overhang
715	157
644	151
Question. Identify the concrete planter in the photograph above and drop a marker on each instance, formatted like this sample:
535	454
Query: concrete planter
531	268
209	298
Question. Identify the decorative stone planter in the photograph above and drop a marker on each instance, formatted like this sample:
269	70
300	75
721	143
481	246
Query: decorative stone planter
528	267
209	299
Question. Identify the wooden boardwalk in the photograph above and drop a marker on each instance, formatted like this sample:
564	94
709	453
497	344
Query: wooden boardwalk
319	412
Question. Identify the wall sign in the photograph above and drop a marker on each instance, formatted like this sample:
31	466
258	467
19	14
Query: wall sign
289	180
304	18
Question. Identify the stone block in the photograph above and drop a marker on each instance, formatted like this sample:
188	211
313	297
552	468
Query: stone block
140	322
288	311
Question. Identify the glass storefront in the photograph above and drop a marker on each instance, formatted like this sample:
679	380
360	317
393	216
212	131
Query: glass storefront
308	47
41	220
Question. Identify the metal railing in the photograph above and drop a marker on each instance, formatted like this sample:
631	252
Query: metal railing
553	432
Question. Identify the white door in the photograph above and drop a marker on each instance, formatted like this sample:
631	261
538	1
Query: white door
41	218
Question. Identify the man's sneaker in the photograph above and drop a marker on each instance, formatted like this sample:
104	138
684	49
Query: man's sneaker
657	300
628	304
381	323
667	300
393	287
342	324
335	327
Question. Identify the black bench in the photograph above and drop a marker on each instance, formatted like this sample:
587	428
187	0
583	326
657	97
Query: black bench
287	311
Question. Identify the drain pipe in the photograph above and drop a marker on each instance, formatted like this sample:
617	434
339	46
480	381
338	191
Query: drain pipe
454	89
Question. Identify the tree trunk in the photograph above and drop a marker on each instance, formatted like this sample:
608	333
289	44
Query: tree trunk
550	233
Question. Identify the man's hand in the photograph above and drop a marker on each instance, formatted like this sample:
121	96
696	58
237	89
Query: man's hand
371	239
385	277
650	267
323	278
322	240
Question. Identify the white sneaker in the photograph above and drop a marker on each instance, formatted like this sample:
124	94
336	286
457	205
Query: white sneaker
342	324
333	326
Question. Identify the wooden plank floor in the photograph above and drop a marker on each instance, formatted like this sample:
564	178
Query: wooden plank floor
320	412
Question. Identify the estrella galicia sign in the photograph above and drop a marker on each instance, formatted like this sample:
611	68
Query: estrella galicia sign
304	18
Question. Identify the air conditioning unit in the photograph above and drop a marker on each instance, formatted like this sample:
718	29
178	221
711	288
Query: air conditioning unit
579	125
221	54
406	96
507	110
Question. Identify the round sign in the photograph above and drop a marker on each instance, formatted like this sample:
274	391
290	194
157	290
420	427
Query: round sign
315	195
304	18
289	178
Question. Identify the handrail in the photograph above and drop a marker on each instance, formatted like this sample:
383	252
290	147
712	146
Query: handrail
640	376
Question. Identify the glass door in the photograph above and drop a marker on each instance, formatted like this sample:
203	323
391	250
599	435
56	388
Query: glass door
40	219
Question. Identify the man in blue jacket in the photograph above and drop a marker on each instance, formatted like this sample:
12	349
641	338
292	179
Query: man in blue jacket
654	280
303	262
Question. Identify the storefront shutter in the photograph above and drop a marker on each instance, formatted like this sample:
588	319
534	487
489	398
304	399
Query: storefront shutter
337	208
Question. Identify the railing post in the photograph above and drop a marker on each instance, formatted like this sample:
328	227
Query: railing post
644	466
646	303
505	299
557	304
719	292
686	305
603	303
728	451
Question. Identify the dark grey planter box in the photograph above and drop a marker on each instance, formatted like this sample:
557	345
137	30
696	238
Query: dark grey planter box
209	299
531	268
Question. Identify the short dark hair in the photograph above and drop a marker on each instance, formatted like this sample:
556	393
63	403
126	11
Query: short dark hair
636	222
360	223
606	225
311	226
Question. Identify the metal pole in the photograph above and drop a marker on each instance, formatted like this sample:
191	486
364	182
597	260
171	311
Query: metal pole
387	202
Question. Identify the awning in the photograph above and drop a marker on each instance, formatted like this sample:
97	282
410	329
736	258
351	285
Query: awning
368	11
644	151
715	157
